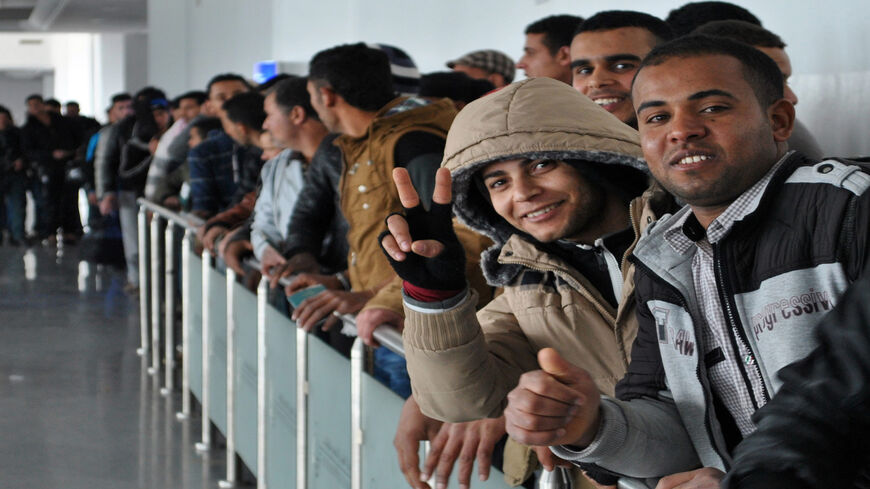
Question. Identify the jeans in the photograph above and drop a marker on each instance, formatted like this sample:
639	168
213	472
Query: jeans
128	211
392	370
13	189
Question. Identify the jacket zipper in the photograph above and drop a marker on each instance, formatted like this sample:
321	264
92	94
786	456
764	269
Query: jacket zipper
704	386
738	334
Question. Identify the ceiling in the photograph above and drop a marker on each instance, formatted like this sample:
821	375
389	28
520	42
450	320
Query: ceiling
72	15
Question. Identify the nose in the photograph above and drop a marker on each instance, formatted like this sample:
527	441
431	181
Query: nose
789	95
525	188
599	78
684	126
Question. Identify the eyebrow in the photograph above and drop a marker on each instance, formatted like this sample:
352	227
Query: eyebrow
496	173
610	59
710	93
695	96
500	173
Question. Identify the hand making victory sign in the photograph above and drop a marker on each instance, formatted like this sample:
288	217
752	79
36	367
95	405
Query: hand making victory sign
421	245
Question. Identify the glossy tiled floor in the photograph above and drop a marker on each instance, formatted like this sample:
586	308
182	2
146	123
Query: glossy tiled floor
77	408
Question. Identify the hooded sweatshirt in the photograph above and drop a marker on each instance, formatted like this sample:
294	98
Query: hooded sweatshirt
463	365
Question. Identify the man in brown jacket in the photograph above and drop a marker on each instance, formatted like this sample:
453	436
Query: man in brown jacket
556	183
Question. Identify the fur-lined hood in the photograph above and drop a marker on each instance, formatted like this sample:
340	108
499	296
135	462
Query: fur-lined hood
534	118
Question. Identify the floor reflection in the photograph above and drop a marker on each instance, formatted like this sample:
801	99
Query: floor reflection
77	407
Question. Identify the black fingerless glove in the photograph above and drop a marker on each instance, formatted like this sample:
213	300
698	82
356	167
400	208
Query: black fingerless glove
443	272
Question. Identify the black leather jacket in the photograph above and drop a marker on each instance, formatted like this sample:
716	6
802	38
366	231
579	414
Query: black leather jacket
814	432
317	225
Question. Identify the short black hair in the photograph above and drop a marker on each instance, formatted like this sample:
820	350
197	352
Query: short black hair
226	77
121	97
52	102
205	125
360	74
246	108
291	93
454	85
5	110
149	93
683	20
617	19
759	70
558	30
269	84
72	103
741	31
197	96
34	96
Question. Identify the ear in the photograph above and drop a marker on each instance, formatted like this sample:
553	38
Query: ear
563	56
297	115
781	117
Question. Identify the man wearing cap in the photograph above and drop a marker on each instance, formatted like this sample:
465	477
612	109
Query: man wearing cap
487	64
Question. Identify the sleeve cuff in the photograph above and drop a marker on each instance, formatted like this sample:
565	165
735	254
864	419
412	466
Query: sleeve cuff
434	307
611	436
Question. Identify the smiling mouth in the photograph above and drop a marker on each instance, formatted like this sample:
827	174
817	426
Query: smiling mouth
540	212
607	100
692	159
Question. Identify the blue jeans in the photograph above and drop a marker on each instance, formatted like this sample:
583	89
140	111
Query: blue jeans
13	189
392	370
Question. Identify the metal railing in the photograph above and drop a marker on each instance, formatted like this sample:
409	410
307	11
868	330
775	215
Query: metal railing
160	252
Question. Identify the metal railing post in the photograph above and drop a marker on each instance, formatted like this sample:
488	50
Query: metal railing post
205	444
185	326
230	481
301	408
262	303
169	318
156	293
144	320
357	364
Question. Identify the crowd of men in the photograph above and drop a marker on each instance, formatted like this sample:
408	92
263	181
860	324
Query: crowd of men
616	266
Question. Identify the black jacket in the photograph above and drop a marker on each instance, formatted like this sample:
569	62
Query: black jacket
39	140
317	225
814	433
107	158
778	271
10	149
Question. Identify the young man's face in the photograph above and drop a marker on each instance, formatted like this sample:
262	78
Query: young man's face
324	113
704	134
537	61
233	129
547	199
603	63
35	106
277	122
5	121
780	57
162	118
120	110
72	110
188	109
220	92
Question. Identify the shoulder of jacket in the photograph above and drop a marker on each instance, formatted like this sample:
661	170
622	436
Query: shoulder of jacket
848	175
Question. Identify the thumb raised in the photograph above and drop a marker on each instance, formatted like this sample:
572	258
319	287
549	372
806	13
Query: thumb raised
563	370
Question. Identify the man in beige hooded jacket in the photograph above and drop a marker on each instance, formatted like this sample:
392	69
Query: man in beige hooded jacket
556	182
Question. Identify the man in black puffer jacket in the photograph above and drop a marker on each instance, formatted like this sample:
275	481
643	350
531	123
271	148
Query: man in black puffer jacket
814	433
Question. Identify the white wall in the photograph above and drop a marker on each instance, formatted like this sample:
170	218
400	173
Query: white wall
14	89
68	57
191	40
